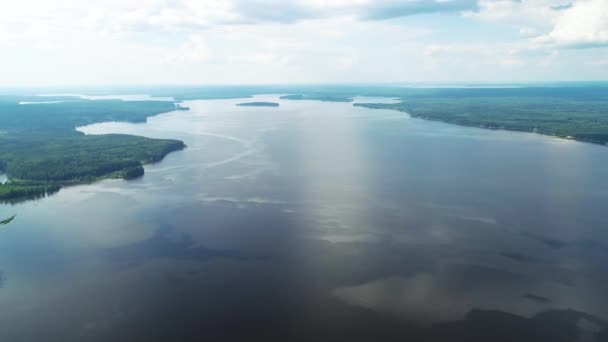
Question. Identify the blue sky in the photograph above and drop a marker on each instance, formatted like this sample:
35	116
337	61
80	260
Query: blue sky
72	42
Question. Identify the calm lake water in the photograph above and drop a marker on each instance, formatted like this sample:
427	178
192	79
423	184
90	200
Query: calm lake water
316	221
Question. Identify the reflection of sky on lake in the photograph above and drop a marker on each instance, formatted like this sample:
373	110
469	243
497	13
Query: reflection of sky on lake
283	219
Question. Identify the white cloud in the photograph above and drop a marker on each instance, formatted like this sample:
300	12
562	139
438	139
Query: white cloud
253	41
535	14
529	32
347	61
471	55
599	62
551	23
584	24
195	50
259	59
550	59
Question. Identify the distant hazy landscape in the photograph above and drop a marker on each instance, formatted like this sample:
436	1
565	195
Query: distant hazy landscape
570	111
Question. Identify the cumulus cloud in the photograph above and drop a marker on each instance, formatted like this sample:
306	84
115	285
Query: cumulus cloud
195	50
137	15
235	41
539	14
291	11
551	24
600	62
394	9
562	6
582	25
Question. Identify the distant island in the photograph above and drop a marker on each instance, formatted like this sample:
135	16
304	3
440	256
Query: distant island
258	104
317	97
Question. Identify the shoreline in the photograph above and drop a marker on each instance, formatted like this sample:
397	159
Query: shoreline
479	126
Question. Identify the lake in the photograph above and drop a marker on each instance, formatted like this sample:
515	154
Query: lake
314	221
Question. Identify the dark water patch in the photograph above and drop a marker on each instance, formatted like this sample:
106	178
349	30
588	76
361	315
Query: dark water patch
537	298
547	241
494	325
595	246
165	243
519	257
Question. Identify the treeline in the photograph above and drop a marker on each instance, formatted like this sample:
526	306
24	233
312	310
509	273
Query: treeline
10	192
40	150
585	120
80	158
133	172
65	116
68	169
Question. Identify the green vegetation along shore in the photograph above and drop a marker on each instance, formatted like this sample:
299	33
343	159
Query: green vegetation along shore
78	158
40	150
574	110
65	116
7	220
566	118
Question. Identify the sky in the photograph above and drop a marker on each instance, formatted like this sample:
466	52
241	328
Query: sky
134	42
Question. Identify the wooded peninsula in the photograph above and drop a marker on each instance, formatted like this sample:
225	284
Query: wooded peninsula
40	150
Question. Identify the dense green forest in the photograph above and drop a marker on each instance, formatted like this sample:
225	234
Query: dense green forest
13	192
584	120
40	150
65	116
77	158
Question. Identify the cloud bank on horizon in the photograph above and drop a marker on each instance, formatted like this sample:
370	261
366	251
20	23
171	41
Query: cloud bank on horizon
279	41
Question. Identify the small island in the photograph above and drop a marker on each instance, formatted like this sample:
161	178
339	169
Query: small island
258	104
179	107
7	221
317	97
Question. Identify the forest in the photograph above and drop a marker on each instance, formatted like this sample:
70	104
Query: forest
40	150
65	116
77	158
584	120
